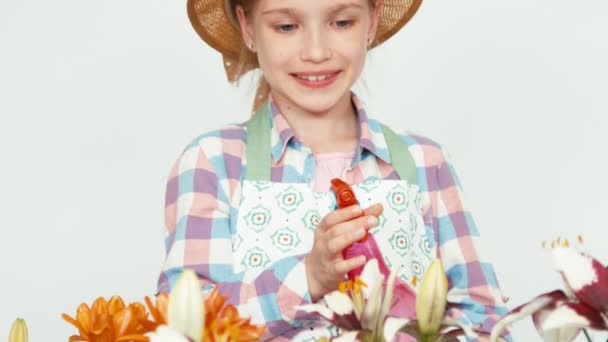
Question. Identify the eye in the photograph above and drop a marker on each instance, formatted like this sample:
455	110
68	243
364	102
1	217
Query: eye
343	23
286	27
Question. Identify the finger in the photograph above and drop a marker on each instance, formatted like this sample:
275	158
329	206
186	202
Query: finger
366	222
345	266
338	243
341	215
374	210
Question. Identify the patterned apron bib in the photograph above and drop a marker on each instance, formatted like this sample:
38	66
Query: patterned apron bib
276	220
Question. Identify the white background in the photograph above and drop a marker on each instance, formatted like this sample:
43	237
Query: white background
97	99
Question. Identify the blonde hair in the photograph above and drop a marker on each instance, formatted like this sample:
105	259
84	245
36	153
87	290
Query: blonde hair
248	60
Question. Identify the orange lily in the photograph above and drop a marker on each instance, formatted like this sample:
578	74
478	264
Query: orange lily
223	323
107	321
112	321
158	311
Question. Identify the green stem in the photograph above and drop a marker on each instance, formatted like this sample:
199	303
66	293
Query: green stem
587	335
428	338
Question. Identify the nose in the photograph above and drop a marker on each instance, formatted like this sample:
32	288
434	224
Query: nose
316	47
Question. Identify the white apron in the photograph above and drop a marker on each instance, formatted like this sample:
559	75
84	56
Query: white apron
276	220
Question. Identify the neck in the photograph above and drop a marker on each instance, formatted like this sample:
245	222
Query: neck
332	130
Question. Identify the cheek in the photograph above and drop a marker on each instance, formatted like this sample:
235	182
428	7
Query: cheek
351	50
272	58
351	44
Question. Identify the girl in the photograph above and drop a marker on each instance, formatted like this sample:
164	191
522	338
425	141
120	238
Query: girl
248	207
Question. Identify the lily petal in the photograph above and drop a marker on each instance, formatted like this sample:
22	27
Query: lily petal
560	334
412	330
451	335
536	304
587	277
393	325
461	328
166	334
320	309
369	275
369	318
387	301
574	315
339	303
339	310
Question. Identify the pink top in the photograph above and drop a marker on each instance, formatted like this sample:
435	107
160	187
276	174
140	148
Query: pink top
330	165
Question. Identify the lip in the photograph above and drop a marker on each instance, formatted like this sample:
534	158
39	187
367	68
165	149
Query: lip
316	84
316	73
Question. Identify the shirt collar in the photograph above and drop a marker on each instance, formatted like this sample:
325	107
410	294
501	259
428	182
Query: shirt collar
371	137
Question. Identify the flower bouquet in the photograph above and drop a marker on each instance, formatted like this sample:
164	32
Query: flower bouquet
362	308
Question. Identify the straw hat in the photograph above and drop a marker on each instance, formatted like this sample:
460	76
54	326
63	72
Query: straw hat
215	22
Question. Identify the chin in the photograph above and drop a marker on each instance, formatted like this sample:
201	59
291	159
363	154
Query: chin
317	100
317	104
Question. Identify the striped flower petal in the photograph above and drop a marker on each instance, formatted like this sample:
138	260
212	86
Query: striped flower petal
585	275
557	334
527	309
572	315
448	325
338	310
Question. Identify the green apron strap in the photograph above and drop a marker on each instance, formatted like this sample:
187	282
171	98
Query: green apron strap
258	148
401	158
259	153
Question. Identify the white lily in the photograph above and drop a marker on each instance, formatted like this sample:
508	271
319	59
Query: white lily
560	316
186	306
360	307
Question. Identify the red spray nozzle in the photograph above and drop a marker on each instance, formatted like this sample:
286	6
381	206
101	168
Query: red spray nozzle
345	197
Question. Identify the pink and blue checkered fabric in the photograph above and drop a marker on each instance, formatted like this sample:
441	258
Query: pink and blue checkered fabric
200	215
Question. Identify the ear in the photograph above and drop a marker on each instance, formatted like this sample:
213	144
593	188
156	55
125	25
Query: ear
246	26
373	28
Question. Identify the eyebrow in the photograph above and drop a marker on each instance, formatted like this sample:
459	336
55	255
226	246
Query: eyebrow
332	9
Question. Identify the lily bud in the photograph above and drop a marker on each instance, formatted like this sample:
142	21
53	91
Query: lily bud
186	313
18	331
431	299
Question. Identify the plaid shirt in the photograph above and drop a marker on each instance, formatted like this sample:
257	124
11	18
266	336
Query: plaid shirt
202	206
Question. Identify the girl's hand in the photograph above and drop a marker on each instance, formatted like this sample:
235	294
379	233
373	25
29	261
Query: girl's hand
325	266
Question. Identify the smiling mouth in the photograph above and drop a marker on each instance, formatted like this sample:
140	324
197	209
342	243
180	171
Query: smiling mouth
315	78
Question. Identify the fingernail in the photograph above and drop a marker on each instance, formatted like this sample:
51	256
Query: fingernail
372	221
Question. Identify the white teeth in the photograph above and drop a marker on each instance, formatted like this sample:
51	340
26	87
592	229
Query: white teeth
314	78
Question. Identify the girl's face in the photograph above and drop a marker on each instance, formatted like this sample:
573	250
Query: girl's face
311	52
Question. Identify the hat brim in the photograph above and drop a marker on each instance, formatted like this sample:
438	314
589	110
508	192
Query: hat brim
212	21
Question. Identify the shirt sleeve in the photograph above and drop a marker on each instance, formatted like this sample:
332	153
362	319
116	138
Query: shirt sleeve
197	218
474	297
